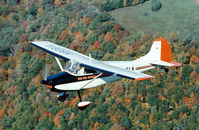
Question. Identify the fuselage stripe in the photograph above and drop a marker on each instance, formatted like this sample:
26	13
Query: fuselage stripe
143	67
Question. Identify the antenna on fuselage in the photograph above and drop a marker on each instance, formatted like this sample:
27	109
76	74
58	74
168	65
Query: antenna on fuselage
90	56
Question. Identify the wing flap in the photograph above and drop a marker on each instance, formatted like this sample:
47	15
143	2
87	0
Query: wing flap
89	62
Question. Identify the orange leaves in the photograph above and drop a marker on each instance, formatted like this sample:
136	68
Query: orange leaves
117	89
117	26
56	118
23	38
113	119
10	112
45	114
74	101
96	125
108	37
11	90
151	118
127	100
46	28
3	59
2	113
194	59
40	11
161	98
72	116
59	2
96	45
86	20
195	76
140	97
145	106
124	3
117	127
73	24
79	36
3	74
64	34
190	101
36	80
75	45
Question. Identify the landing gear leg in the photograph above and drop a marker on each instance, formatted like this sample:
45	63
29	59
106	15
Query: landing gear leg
79	96
82	104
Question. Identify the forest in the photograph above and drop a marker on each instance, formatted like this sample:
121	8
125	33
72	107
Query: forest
170	101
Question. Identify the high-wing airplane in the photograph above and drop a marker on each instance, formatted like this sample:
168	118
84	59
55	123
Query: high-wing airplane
84	72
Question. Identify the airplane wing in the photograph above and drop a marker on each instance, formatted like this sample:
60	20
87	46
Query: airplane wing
89	62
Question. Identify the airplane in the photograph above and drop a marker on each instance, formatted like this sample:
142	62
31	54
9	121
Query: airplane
84	72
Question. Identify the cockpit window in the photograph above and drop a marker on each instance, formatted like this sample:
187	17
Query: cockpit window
75	68
72	67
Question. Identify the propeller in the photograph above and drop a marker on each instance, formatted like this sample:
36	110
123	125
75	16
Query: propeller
46	72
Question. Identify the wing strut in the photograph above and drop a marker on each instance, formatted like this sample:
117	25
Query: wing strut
58	62
84	104
91	80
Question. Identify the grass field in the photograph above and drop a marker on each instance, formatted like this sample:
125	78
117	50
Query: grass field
174	16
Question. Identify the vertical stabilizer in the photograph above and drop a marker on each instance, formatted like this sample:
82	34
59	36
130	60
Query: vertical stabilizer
160	54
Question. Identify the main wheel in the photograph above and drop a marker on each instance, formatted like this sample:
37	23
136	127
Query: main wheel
83	105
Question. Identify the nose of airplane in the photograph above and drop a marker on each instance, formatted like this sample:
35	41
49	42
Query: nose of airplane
46	82
43	82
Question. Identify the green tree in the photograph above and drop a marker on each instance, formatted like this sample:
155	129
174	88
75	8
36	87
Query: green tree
33	10
156	5
178	93
5	66
142	1
106	27
15	17
112	4
145	119
5	10
197	68
175	114
103	17
153	100
91	38
126	122
7	122
62	122
186	71
44	123
35	67
109	47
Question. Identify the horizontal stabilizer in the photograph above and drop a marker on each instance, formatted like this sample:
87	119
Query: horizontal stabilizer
163	63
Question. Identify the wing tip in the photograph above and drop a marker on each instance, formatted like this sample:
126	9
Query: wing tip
145	78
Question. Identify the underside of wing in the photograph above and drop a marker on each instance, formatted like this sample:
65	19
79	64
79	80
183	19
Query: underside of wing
89	62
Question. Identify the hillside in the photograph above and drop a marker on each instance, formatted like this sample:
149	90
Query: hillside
174	16
170	101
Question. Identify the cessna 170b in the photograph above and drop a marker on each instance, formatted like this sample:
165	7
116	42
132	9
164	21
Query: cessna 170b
84	72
